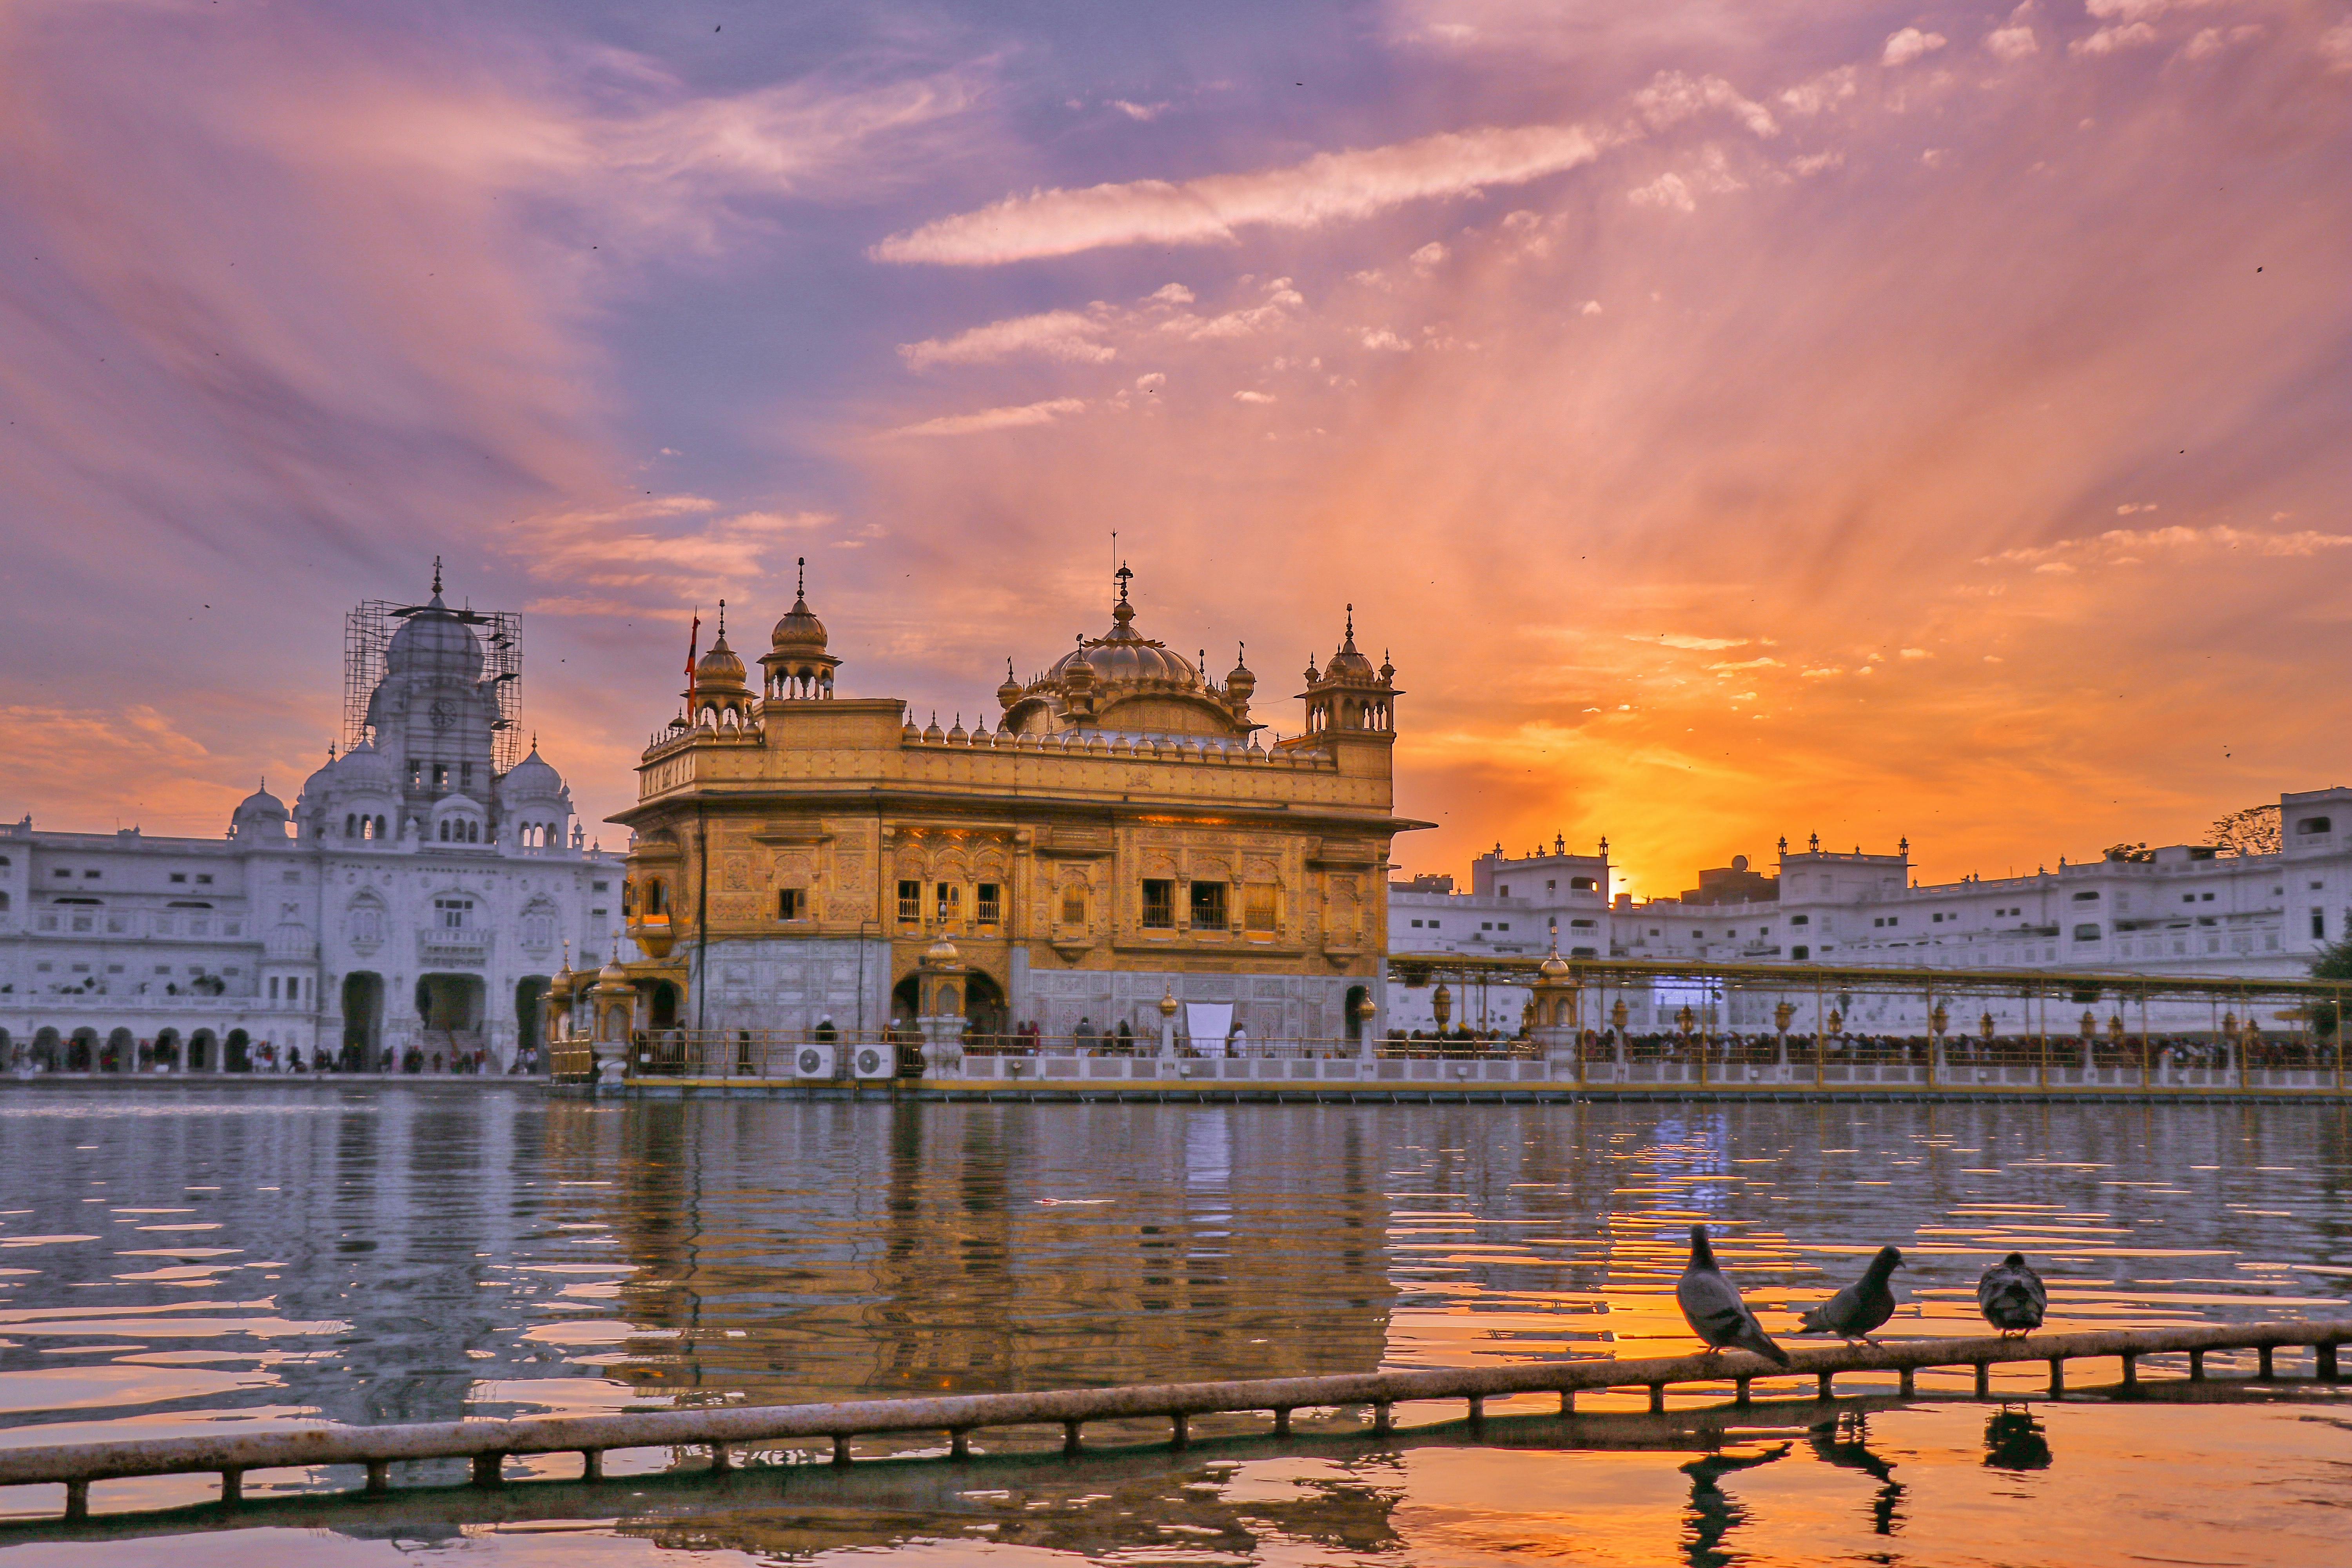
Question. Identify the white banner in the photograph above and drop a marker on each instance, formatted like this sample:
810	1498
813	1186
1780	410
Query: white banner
1209	1023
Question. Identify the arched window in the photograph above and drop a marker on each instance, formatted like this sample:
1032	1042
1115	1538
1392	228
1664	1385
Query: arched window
444	832
380	828
351	824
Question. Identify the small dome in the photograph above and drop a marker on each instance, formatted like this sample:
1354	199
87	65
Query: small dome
533	778
958	735
290	942
932	731
1241	677
1349	663
1010	692
1554	968
612	973
261	804
720	669
942	953
260	814
435	641
799	631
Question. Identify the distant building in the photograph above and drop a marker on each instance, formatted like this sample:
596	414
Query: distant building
1733	884
2183	909
415	899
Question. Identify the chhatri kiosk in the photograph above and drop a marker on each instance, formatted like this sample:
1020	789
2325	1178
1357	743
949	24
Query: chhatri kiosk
1123	844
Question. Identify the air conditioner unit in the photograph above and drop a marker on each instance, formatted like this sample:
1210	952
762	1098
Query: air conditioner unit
814	1060
873	1060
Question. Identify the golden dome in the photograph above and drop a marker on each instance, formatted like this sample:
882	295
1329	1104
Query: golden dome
1554	968
720	670
799	631
1347	664
1122	656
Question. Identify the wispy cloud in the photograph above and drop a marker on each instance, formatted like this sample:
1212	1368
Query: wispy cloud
1052	334
1331	187
2116	542
988	419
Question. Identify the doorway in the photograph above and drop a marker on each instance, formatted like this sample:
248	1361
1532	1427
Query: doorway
362	1017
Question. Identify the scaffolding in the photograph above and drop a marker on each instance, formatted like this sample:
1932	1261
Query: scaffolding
368	630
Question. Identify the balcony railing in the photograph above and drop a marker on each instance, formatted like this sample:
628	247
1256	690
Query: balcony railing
454	944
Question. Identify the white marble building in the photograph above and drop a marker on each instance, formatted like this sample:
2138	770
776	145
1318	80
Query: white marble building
411	906
2183	910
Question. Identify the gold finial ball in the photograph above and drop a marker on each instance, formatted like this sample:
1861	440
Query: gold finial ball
942	954
1167	1003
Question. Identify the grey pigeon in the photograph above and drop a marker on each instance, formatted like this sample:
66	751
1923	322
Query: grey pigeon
2011	1296
1862	1306
1712	1307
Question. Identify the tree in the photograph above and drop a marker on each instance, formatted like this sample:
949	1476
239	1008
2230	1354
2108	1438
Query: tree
2334	963
2253	831
2129	852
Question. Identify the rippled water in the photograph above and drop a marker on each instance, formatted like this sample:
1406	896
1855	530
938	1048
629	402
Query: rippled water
378	1255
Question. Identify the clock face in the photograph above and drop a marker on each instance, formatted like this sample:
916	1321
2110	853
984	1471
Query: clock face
445	713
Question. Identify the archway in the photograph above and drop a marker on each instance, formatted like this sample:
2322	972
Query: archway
531	1007
661	1005
363	1019
167	1048
82	1053
48	1048
122	1053
235	1054
984	1012
1352	1011
204	1052
450	1002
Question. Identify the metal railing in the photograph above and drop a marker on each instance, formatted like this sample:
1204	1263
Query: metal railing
719	1430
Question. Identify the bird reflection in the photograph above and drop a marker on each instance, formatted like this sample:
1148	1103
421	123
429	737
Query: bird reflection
1713	1513
1845	1442
2014	1441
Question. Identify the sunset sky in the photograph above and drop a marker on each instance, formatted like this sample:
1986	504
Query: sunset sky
1848	418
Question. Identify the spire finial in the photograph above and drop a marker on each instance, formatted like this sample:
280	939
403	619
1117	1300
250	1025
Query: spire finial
436	576
1123	575
801	592
722	617
1351	623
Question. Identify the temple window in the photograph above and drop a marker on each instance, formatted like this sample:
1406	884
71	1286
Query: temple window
988	903
1259	906
1208	906
950	902
1159	904
910	904
1074	906
791	903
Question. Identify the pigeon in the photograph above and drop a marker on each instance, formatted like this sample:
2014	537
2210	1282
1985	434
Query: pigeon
1712	1307
2011	1296
1862	1306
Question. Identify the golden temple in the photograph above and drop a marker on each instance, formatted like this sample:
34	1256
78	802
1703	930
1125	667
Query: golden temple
1125	837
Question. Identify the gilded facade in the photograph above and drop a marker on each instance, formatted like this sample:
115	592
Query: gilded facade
1124	833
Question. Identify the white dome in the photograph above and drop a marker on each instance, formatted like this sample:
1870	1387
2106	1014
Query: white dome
533	778
435	642
290	942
